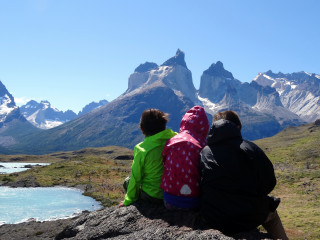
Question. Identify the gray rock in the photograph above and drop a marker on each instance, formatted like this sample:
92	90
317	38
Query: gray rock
33	230
143	221
29	181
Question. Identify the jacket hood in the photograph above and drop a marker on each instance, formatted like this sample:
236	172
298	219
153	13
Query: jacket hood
222	130
195	122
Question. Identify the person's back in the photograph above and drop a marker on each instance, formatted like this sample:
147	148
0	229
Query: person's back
181	157
147	169
236	178
150	153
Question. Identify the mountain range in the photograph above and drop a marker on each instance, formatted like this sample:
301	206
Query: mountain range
266	105
44	116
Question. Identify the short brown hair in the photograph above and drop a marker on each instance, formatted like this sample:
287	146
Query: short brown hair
153	121
228	115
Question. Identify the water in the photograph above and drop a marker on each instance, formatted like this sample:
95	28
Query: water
42	204
10	167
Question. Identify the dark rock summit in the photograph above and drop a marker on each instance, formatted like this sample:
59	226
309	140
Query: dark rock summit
178	59
146	67
218	71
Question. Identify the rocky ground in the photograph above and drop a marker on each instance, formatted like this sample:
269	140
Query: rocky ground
33	230
140	221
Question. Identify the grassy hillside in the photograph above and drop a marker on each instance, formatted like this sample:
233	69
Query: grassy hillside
295	153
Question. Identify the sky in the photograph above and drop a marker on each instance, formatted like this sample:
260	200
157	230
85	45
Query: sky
74	52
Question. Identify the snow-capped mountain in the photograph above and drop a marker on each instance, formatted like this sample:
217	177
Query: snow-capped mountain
259	107
299	92
12	124
92	106
44	116
173	73
7	105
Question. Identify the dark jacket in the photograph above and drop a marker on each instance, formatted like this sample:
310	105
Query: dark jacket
236	177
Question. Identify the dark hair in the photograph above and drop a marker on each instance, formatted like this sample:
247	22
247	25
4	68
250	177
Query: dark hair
228	115
153	121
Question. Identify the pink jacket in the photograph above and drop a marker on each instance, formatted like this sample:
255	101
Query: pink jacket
181	155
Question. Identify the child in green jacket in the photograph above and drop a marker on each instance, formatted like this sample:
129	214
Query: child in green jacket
147	167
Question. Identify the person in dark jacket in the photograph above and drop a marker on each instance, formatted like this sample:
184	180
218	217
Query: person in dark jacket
236	178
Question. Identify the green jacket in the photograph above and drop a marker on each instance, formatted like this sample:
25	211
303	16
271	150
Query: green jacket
147	167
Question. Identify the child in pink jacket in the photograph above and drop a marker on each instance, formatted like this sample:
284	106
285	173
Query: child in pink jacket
181	154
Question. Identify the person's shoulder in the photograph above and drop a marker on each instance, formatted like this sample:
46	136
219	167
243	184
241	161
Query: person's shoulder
139	148
250	146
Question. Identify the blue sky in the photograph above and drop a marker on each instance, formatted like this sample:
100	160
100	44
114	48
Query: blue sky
74	52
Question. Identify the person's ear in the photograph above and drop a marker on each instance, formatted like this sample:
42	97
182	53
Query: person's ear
142	131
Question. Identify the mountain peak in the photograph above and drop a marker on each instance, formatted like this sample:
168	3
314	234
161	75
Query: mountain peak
178	59
146	67
218	70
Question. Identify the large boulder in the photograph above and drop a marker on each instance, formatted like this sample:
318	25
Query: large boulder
143	221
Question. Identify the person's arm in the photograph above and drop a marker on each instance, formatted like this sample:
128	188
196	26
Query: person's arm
133	190
267	176
262	165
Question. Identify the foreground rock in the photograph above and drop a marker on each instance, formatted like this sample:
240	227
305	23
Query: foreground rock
144	222
141	221
33	230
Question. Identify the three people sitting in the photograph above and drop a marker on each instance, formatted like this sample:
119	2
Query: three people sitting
225	176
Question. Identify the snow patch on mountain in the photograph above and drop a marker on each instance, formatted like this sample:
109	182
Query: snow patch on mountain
299	92
209	106
6	107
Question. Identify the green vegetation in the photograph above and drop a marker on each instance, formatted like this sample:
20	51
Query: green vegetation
295	153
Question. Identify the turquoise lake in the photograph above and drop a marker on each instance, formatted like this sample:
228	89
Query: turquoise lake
42	204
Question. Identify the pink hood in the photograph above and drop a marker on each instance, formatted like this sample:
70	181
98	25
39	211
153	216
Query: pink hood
195	123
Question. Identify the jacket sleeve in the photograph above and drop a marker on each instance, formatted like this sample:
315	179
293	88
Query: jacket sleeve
262	165
133	190
266	174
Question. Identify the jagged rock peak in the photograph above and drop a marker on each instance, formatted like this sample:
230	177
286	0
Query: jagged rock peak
3	89
296	76
32	102
218	70
146	67
178	59
7	102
